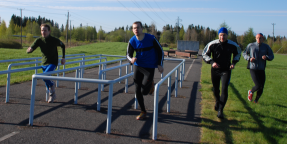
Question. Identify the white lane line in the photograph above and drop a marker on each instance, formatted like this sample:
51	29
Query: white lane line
188	69
8	135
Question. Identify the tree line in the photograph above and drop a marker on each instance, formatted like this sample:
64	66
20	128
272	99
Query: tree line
168	35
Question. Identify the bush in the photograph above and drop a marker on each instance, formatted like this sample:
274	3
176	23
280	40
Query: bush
29	38
172	45
10	44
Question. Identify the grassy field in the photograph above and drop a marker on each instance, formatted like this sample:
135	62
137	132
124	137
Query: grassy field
111	48
246	122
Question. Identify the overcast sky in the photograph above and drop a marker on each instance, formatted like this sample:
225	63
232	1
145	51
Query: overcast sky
238	14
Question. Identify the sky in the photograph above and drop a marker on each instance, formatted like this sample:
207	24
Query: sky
239	15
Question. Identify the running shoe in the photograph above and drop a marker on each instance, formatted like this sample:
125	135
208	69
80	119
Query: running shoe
52	94
141	116
255	101
52	98
52	89
220	115
250	94
152	88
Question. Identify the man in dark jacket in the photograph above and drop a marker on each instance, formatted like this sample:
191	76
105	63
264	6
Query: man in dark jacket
256	54
48	46
221	51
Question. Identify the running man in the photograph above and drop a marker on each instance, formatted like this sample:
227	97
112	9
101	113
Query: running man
149	55
48	46
256	54
221	66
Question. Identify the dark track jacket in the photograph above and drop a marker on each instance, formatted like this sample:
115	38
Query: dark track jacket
149	52
49	49
221	53
256	51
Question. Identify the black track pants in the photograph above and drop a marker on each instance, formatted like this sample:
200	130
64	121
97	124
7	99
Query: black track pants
223	76
258	77
143	78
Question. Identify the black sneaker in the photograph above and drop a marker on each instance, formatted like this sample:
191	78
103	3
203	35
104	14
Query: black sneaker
220	115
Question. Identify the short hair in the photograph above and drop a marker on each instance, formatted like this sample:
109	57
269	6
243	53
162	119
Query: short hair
45	25
138	22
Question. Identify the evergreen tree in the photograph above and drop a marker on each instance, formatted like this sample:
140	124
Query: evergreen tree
101	34
248	37
181	33
3	29
11	29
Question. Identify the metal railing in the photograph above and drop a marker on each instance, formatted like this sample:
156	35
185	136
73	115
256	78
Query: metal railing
181	77
78	72
79	79
156	92
34	58
81	62
9	71
101	86
76	80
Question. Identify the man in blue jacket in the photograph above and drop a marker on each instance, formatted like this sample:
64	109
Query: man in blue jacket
149	55
256	54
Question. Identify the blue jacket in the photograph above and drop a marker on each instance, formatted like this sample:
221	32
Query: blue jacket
257	51
149	52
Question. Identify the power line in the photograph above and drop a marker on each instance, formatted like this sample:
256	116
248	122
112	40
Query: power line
128	10
161	10
154	11
8	7
92	20
29	5
88	20
142	9
45	12
32	10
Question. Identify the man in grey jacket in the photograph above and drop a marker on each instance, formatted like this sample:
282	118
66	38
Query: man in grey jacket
256	54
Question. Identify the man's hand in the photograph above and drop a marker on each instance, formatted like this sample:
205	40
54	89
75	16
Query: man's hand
63	61
133	60
160	68
215	65
264	57
252	59
29	50
232	66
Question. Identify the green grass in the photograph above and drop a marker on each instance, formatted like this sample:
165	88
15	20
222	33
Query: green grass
246	122
111	48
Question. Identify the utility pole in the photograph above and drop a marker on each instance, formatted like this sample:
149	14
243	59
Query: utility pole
177	25
21	25
70	33
67	28
273	33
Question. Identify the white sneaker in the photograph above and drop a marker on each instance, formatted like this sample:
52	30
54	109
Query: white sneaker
52	90
52	98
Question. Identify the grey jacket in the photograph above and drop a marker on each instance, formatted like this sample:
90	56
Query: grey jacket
256	51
